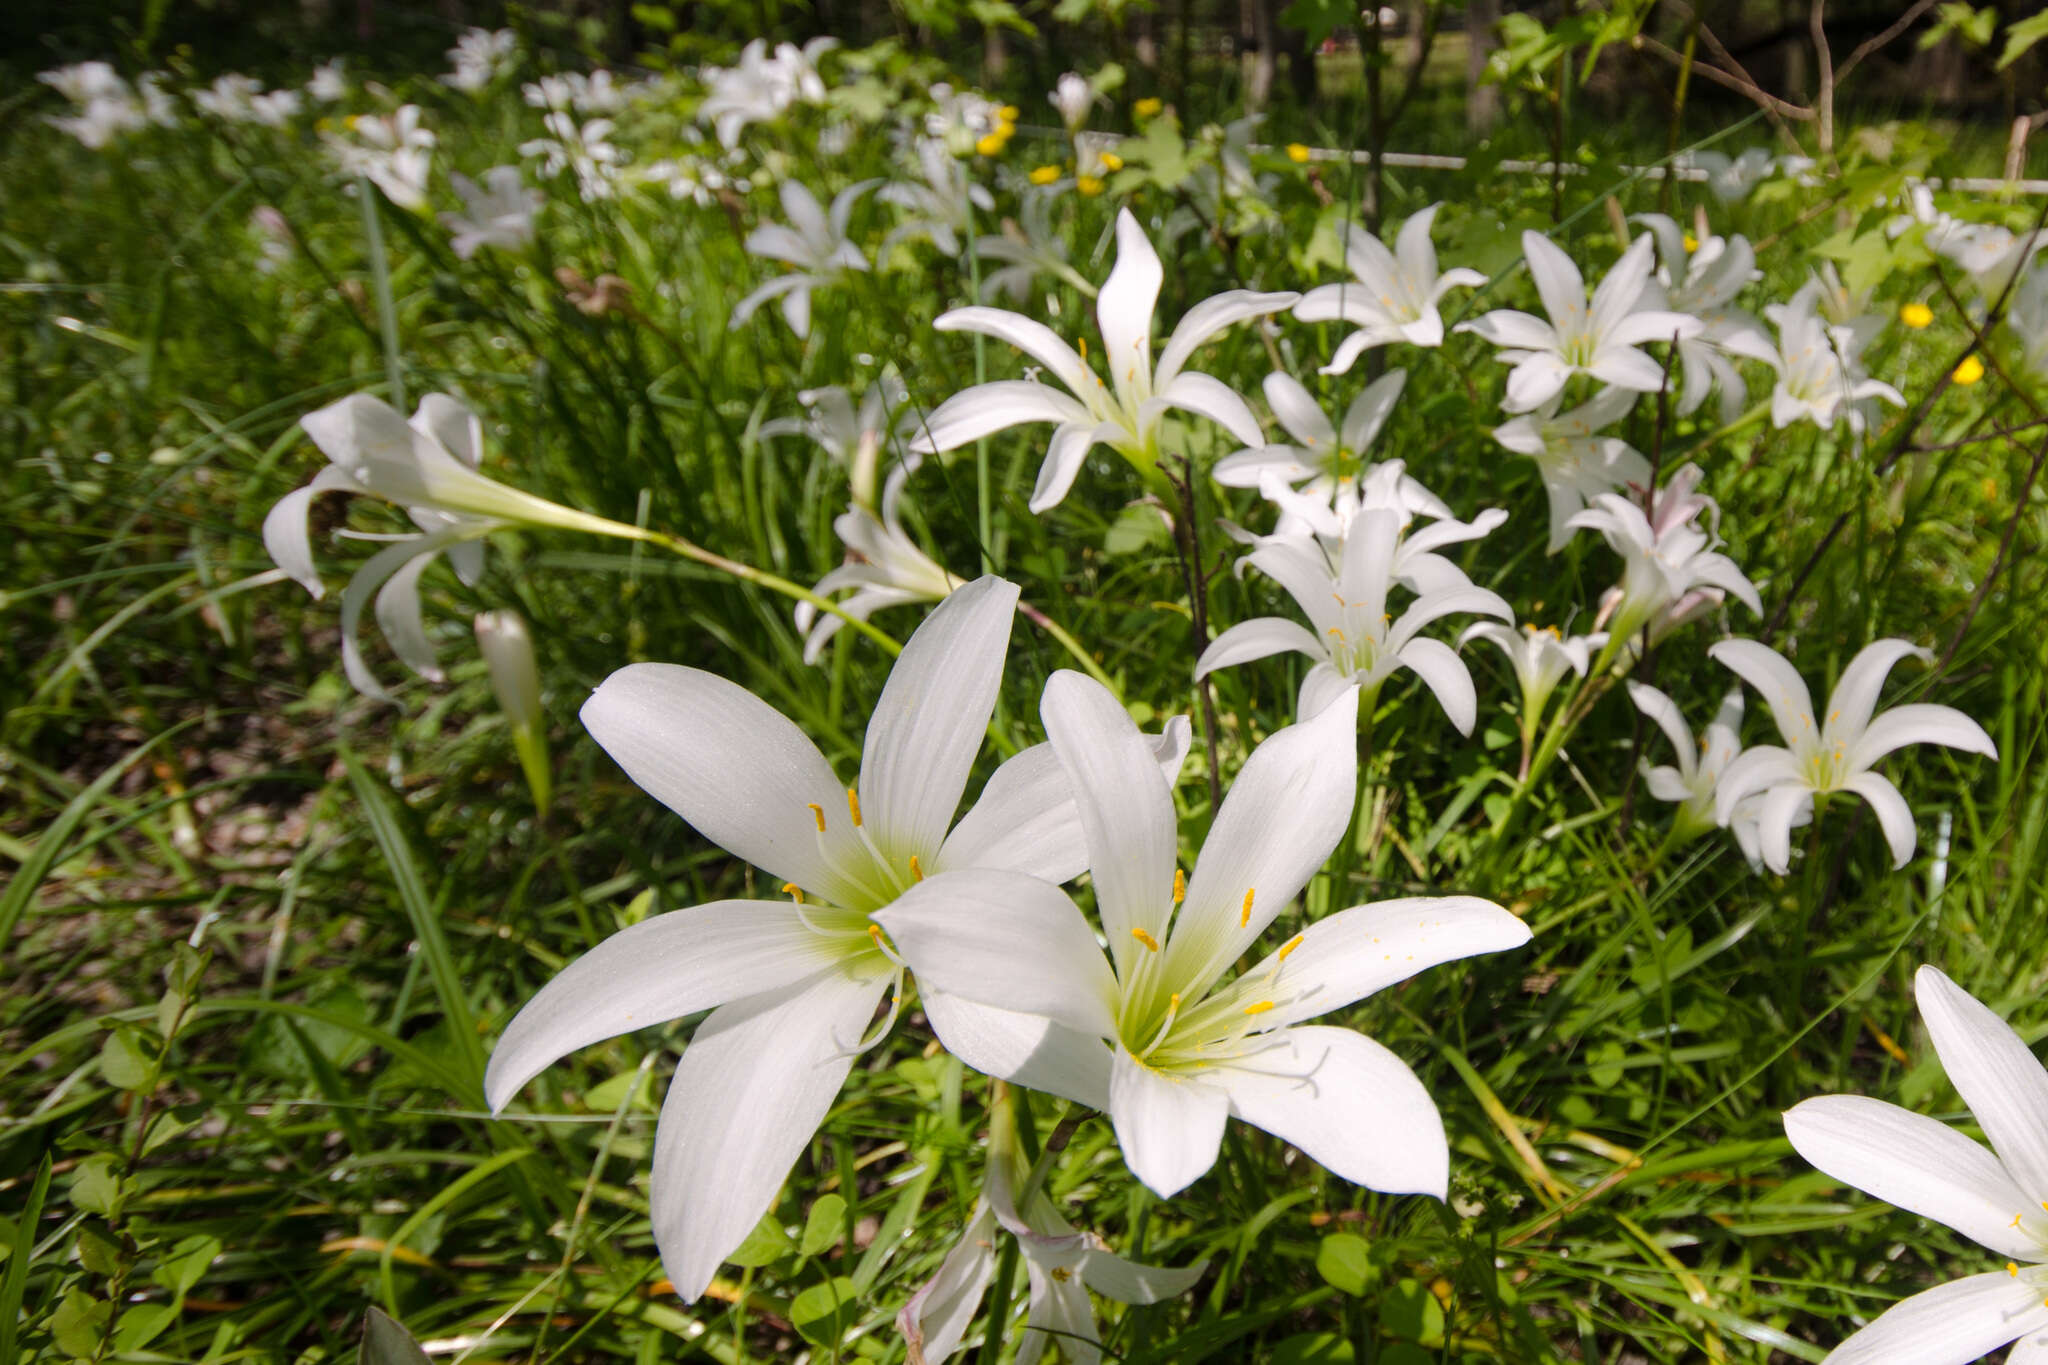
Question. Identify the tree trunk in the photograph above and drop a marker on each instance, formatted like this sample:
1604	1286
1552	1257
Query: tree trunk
993	57
1482	101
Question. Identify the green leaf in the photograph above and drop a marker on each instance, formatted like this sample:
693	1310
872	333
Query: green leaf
765	1245
1412	1313
827	1221
98	1250
1136	528
387	1343
80	1323
185	1264
96	1185
18	1257
142	1324
823	1313
2021	37
1313	1348
125	1061
1318	19
1344	1260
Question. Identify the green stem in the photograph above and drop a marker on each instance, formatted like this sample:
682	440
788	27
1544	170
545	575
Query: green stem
380	285
747	573
1071	645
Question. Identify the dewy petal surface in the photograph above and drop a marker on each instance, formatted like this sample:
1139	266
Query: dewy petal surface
738	770
1349	1104
1170	1127
748	1093
1995	1073
1921	1165
929	721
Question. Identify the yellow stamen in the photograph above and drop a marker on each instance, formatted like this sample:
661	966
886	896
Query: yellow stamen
2012	1268
1288	947
1180	886
1151	943
1081	343
1258	1007
793	890
1062	1274
2016	1219
875	933
916	872
819	812
1244	916
853	806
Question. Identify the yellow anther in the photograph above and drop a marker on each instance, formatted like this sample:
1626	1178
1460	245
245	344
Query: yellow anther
853	806
1173	1003
1151	943
1258	1007
818	812
1337	631
2012	1268
916	872
793	890
875	933
1180	886
1244	916
2016	1219
1081	343
1062	1274
1288	947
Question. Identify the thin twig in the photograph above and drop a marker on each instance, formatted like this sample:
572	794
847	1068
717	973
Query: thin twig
1187	544
1870	45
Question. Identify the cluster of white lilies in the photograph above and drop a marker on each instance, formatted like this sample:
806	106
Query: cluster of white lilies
1175	1004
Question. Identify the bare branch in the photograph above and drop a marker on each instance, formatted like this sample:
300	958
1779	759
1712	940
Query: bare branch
1870	45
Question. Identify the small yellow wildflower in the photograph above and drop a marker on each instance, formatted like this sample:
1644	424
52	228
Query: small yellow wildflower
1297	152
1916	315
991	145
1044	175
1147	107
1008	113
1692	243
1970	371
1112	162
1088	185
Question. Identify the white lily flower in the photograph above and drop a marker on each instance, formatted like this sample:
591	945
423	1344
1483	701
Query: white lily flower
83	82
427	466
1356	639
1062	1264
1028	246
884	567
813	242
1667	558
1539	657
1820	367
499	213
761	87
1573	461
1330	459
1732	181
793	985
1992	254
480	57
1396	292
227	99
392	151
1702	280
107	107
962	118
507	646
1155	1036
1839	753
1124	414
884	422
328	84
1691	785
584	149
2027	319
275	108
1996	1197
1073	95
1599	340
941	206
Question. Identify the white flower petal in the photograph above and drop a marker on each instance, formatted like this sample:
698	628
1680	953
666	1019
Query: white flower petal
1028	1049
1995	1073
1534	381
1215	400
1445	674
1779	812
1005	940
1950	1324
1894	816
285	532
1920	723
1321	686
1035	339
1775	680
748	1093
398	616
1170	1127
1369	411
1124	308
1507	328
649	973
987	408
1910	1160
936	1318
1558	281
1753	771
1347	956
929	721
1299	414
1855	694
1282	818
1256	639
1063	457
1349	1104
738	770
1209	317
1664	712
1113	1277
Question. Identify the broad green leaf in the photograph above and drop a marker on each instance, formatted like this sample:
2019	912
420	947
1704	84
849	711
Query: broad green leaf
827	1221
765	1245
387	1343
823	1313
1344	1260
2021	37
